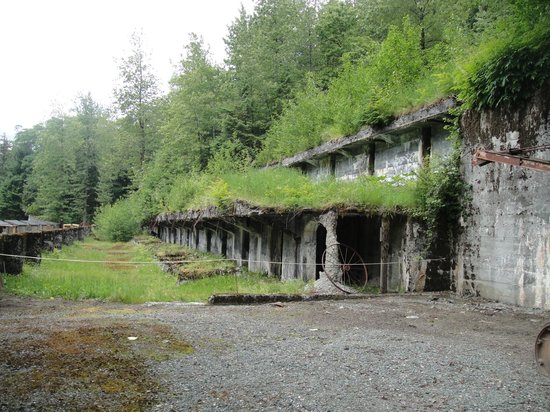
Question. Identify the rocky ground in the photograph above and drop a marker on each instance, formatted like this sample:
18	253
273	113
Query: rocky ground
421	352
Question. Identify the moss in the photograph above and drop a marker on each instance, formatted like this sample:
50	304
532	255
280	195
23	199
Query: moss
98	362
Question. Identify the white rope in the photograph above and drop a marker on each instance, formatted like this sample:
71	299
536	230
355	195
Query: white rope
122	262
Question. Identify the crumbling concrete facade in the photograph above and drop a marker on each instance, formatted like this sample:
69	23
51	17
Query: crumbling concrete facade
501	251
504	248
293	245
298	245
33	243
396	150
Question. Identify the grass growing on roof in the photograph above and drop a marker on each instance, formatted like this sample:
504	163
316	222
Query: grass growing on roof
289	189
126	282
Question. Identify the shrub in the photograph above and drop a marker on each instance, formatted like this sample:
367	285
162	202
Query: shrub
399	76
511	75
442	194
513	60
118	222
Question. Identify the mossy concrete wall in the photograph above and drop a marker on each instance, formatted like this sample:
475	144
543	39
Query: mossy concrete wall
504	249
289	247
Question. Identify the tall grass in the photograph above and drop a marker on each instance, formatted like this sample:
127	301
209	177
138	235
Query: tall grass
289	189
126	281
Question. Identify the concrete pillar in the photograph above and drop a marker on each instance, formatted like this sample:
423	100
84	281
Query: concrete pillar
288	270
332	261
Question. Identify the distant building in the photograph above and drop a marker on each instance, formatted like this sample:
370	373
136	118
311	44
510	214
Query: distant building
32	224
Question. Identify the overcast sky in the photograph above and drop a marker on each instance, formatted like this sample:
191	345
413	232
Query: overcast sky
53	50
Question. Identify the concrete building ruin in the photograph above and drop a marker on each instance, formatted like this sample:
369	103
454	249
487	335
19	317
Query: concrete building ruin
292	245
502	248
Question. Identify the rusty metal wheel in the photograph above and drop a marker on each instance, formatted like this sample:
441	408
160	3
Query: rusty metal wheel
351	266
542	350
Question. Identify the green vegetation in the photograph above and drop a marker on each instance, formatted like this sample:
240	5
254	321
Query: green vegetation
509	67
397	77
188	264
126	281
298	73
290	189
441	197
118	222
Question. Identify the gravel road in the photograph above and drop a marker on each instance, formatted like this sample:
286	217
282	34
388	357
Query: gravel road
411	352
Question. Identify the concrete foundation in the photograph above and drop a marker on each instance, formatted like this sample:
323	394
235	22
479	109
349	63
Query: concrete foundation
33	243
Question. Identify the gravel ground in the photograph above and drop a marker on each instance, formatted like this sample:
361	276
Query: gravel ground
412	352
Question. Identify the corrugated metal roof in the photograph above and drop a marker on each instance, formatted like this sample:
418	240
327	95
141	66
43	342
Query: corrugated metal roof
17	222
31	222
34	221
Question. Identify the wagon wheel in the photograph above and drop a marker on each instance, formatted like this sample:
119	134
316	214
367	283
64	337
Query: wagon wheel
351	267
542	350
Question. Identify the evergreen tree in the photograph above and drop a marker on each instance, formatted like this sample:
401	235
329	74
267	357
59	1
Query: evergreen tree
269	54
89	117
15	174
135	99
5	147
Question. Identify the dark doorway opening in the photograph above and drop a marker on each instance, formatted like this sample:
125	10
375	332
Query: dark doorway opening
362	235
321	245
224	243
208	240
245	251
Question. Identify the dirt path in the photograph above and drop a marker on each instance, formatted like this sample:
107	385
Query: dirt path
429	352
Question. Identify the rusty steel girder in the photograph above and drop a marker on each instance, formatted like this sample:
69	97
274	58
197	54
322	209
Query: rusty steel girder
542	350
482	157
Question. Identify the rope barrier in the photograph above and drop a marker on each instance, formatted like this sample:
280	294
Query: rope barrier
122	262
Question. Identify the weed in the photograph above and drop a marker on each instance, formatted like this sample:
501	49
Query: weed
122	280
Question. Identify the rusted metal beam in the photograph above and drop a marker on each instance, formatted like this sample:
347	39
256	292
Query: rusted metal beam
482	157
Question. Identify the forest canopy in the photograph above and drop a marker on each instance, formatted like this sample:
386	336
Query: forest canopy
297	73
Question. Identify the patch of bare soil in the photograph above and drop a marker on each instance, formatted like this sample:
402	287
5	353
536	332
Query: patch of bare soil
119	253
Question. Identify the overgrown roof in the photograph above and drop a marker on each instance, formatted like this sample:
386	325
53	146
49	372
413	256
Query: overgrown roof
242	209
437	110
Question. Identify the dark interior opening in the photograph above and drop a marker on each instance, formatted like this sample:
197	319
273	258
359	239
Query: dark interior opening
321	245
245	248
361	235
224	243
426	144
208	240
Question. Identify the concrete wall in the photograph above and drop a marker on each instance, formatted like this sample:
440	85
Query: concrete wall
351	166
398	155
285	246
397	159
320	169
33	243
504	250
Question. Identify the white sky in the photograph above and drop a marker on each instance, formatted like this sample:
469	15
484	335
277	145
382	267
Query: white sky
52	50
